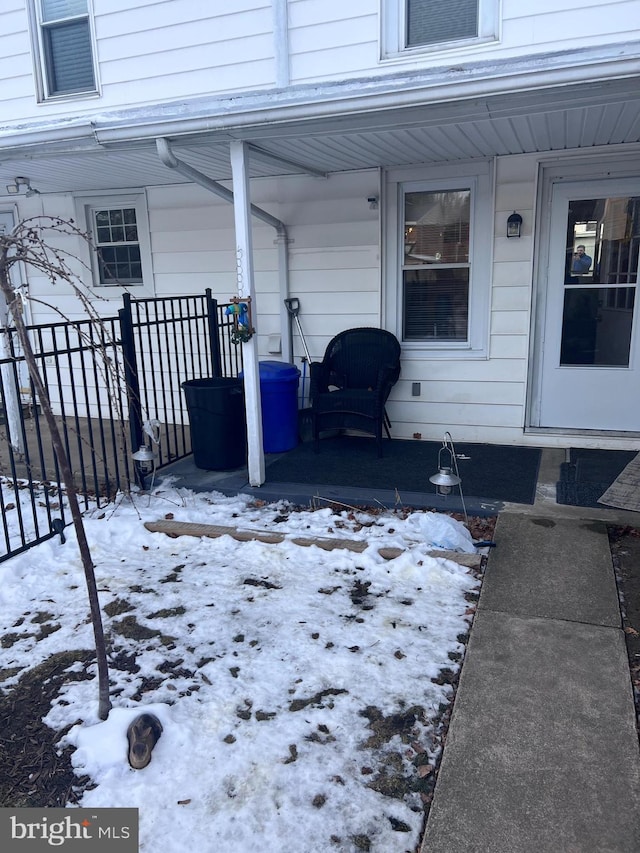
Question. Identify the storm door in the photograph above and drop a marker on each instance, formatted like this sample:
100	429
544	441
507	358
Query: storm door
591	363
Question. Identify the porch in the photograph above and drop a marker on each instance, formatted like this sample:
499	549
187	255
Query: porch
329	177
487	474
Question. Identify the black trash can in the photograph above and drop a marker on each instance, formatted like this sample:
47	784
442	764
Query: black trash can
218	425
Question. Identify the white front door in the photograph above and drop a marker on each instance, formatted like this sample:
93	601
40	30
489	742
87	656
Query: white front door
590	376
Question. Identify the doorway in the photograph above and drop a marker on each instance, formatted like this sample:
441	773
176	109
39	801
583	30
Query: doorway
589	348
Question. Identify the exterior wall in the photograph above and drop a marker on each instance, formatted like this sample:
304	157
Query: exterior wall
333	251
333	254
44	295
192	48
335	271
202	49
349	44
485	400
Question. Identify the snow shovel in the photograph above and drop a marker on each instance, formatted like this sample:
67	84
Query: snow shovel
293	308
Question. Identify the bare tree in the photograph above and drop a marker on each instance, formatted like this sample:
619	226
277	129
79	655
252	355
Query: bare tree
30	242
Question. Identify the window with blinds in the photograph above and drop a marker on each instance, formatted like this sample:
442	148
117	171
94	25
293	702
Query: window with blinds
435	21
65	45
436	266
437	25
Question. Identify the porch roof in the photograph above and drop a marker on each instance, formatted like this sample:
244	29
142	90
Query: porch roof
407	120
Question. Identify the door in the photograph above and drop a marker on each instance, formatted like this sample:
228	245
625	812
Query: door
590	377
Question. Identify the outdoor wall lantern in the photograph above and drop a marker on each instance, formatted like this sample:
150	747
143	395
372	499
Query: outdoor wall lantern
514	225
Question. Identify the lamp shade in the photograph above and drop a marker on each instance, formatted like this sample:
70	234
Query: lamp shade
445	477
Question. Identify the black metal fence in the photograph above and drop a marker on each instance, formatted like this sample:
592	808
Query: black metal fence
166	342
113	385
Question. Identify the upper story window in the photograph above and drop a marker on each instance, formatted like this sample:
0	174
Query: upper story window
419	25
64	47
434	21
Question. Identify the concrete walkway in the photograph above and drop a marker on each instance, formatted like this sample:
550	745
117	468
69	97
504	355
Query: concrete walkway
542	752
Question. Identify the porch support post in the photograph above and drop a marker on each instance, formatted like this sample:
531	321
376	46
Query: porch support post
246	287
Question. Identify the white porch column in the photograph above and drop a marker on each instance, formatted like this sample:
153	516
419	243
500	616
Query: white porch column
246	287
12	393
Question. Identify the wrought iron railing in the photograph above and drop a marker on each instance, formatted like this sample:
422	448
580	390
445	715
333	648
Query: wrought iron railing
109	382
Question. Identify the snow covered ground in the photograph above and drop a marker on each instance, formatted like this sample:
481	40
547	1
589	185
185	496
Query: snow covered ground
298	689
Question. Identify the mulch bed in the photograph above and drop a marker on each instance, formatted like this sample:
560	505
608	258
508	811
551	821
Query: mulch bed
625	551
35	772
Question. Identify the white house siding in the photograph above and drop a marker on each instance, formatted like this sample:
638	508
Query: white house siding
480	400
17	85
149	51
155	51
335	267
483	399
333	253
349	45
51	303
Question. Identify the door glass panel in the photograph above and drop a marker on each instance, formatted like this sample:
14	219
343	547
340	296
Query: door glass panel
596	326
601	273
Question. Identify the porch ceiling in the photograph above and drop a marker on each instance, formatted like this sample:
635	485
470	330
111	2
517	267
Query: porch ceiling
571	117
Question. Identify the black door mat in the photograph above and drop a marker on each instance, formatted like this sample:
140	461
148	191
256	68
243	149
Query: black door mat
494	472
588	474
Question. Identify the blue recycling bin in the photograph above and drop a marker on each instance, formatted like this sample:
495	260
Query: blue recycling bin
279	395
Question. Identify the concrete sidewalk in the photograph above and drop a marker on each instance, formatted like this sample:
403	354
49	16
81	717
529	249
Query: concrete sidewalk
542	752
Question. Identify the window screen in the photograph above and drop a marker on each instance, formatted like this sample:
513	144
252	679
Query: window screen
434	21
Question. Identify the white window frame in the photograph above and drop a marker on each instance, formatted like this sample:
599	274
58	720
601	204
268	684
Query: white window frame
137	199
479	178
43	83
393	36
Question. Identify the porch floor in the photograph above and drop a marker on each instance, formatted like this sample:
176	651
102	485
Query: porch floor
185	474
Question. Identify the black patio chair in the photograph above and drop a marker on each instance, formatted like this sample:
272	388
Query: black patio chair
350	386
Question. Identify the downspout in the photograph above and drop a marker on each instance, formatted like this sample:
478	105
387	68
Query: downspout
281	42
169	159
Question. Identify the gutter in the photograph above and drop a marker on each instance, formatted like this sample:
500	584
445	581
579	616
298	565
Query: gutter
475	82
303	103
168	158
68	137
